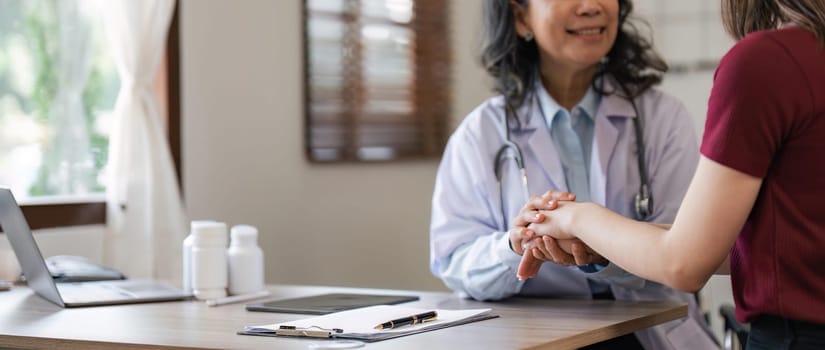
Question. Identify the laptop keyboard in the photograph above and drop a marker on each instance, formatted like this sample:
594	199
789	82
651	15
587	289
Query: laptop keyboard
81	292
125	290
141	287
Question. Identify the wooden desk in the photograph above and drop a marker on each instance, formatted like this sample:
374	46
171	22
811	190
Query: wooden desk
28	321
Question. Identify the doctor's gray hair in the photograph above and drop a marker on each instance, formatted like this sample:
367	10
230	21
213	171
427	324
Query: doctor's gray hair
513	61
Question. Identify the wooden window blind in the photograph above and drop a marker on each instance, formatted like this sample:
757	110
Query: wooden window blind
377	79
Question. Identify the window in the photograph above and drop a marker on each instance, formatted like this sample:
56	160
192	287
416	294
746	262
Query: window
58	86
377	79
689	34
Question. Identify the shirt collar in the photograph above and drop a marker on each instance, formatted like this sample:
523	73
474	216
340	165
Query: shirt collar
589	104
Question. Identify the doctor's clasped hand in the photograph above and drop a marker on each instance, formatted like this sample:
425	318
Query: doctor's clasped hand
532	213
545	243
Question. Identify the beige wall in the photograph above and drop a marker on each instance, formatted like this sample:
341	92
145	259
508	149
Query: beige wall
243	156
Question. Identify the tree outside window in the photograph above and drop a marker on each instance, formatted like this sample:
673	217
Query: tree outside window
58	87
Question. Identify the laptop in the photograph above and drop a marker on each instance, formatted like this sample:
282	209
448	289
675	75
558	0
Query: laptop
76	294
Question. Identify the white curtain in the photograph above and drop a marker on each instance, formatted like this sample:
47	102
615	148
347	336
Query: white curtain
69	159
144	210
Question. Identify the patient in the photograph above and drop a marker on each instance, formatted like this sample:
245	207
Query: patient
757	193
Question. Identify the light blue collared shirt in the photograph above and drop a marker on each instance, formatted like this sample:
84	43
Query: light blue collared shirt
572	134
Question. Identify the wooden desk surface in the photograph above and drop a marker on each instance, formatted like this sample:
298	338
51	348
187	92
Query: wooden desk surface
28	321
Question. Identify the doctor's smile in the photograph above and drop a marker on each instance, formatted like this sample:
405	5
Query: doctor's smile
587	31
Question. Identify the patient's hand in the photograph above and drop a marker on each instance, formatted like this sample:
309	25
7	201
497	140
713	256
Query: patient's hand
530	213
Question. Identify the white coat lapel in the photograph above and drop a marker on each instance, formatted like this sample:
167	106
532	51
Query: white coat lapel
605	138
541	148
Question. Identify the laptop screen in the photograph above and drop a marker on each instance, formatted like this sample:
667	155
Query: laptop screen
25	248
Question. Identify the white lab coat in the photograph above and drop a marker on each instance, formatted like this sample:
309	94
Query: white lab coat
469	243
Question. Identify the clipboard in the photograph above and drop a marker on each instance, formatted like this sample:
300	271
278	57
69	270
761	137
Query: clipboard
312	331
328	303
359	324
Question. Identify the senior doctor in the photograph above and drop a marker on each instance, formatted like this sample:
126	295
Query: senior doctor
563	121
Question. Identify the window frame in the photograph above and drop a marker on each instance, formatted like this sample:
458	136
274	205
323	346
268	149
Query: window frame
434	130
93	212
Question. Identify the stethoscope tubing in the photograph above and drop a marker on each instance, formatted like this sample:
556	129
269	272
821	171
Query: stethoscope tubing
643	200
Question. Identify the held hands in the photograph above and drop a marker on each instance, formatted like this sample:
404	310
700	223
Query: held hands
532	234
520	233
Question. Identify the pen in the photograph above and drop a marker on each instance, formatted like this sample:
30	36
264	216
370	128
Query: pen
237	298
420	318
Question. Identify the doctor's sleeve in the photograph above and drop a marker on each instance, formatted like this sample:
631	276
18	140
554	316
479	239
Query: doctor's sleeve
468	251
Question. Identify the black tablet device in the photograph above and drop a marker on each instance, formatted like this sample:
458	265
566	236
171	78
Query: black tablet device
328	303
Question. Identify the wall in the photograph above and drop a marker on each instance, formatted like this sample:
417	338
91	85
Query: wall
339	224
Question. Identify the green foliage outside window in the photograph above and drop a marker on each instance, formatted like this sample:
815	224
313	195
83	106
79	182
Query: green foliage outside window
30	53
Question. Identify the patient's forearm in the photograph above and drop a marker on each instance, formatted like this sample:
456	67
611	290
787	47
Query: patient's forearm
724	267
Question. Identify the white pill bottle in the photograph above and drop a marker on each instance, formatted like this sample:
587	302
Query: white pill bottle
209	260
246	261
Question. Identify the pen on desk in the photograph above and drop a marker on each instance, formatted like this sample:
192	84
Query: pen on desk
237	298
420	318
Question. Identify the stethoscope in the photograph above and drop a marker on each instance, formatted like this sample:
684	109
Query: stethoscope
643	200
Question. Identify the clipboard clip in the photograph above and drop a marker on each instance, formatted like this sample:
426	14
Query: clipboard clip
311	331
